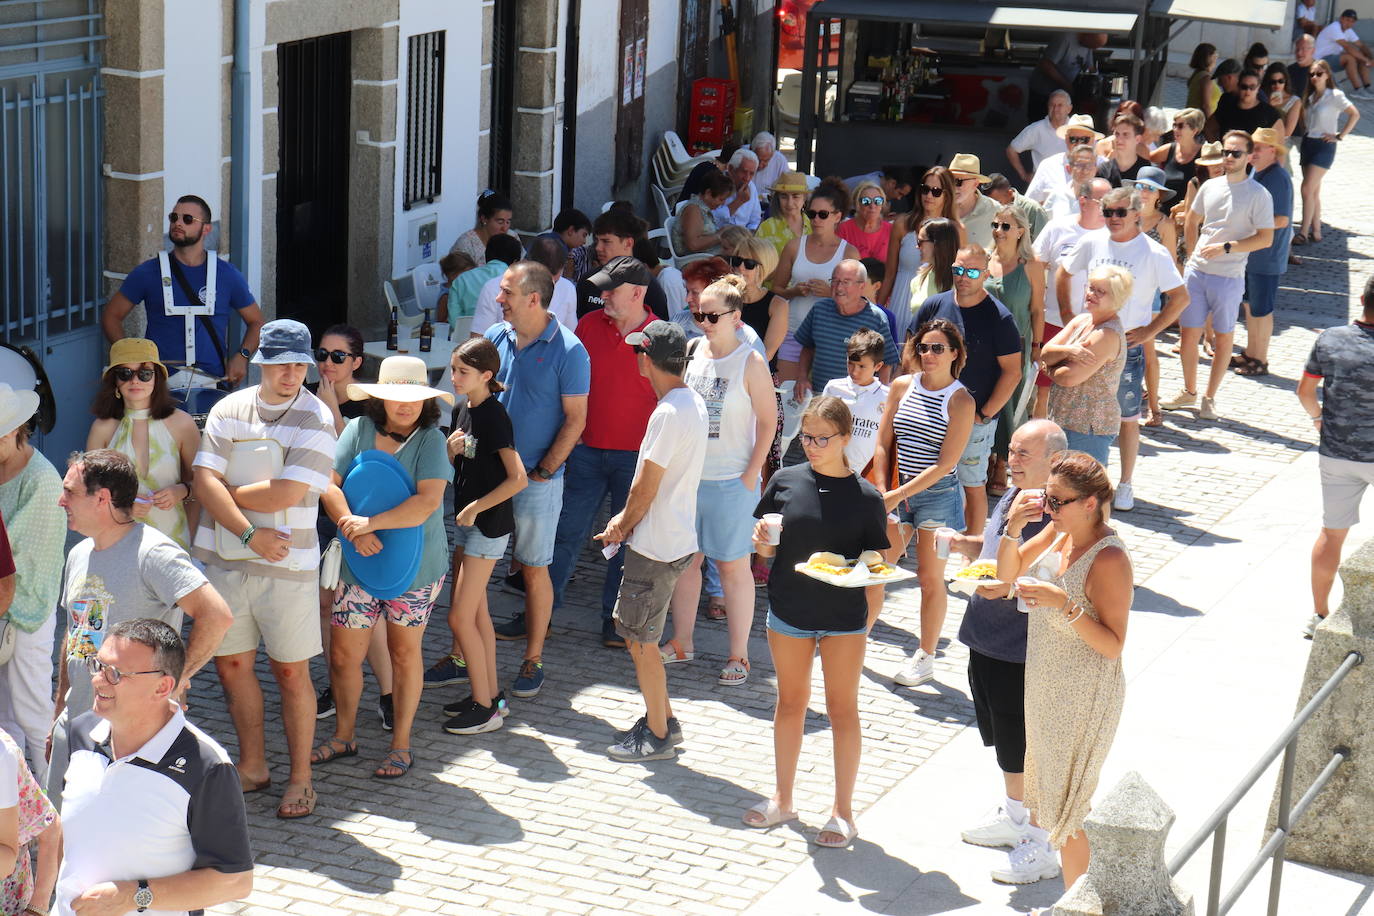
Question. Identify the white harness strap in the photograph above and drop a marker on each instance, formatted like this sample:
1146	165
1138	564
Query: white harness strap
192	311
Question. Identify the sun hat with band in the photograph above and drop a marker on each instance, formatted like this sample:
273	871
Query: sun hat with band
283	341
789	183
966	165
401	378
1078	124
135	350
1210	154
16	408
1151	177
1270	137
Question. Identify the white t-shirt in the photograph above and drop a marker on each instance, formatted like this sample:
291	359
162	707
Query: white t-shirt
1230	211
1056	240
866	404
1148	262
1327	38
675	440
488	310
1038	137
1305	11
768	175
1050	177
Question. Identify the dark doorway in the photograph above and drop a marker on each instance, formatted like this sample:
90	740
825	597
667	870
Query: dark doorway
502	136
312	181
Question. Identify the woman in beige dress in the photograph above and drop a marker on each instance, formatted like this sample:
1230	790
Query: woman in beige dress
1074	685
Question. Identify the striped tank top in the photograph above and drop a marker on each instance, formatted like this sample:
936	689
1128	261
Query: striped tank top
919	426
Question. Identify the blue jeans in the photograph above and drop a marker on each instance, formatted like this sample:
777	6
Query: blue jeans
1097	445
590	473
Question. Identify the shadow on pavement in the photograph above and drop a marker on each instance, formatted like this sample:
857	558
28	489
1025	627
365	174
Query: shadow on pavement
893	885
1152	602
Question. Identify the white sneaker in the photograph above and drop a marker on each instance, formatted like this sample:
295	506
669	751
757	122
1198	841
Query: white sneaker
1310	631
1208	410
1183	399
919	669
1124	500
997	830
1029	862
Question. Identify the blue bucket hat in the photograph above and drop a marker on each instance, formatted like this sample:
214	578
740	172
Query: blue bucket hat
283	341
1151	177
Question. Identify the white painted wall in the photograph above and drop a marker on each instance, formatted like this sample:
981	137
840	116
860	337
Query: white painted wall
598	61
191	115
664	19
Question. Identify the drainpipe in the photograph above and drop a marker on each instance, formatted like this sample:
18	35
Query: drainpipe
238	147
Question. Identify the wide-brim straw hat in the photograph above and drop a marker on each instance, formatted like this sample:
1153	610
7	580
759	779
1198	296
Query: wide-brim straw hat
16	408
968	166
790	182
1079	124
1210	154
1270	137
401	378
135	350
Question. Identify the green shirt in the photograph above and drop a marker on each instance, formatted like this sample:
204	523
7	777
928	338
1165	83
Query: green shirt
38	538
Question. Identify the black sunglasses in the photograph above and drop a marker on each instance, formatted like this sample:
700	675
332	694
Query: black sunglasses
713	317
962	181
868	201
1249	87
1005	227
1234	153
936	348
1077	139
1055	504
1117	212
820	214
186	218
335	356
928	191
747	263
124	374
1276	81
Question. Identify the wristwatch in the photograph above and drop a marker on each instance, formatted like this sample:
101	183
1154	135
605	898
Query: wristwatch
541	472
243	351
143	897
1226	247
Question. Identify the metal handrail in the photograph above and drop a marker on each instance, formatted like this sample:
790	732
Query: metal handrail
1287	815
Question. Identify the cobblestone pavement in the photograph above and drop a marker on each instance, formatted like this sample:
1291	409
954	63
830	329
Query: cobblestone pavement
536	818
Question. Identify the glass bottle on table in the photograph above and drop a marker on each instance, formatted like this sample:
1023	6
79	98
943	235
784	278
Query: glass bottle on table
426	334
393	330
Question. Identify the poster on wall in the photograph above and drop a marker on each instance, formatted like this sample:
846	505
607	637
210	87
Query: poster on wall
639	68
627	75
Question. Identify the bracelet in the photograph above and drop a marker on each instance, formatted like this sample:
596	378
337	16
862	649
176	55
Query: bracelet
1075	616
1008	536
35	911
248	534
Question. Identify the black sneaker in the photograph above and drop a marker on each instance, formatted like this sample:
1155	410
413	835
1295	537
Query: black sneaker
386	711
609	637
474	720
641	744
674	730
453	709
516	581
324	703
513	628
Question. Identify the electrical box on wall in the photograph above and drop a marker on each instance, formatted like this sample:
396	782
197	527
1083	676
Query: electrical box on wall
421	240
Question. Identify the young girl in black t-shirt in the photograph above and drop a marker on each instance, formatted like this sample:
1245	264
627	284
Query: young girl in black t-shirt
489	473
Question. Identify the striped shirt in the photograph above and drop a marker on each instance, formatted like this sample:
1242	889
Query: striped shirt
826	331
305	431
919	426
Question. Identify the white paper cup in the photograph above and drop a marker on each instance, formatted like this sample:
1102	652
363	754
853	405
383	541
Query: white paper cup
1020	601
1039	496
944	537
772	526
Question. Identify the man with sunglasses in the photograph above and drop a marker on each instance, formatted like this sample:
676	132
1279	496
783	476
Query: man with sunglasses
1056	176
1041	138
975	210
123	570
1246	111
188	296
1232	215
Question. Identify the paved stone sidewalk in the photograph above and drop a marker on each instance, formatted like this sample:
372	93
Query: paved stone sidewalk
536	818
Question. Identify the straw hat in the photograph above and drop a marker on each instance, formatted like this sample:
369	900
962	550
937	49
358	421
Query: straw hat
1078	124
16	408
134	350
789	183
401	378
1210	155
1270	137
968	166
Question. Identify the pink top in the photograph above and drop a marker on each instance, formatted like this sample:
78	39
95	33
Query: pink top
870	244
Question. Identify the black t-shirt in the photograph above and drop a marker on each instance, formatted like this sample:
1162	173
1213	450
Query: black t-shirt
1114	173
696	179
589	298
349	410
755	314
989	331
488	429
1298	78
1176	175
1230	116
993	626
844	515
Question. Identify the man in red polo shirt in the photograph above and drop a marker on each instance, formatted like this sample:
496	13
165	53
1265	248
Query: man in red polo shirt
618	408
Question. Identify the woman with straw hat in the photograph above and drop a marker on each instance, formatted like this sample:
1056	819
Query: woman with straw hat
400	418
788	221
136	416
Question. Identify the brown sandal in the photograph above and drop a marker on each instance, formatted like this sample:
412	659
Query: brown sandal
297	797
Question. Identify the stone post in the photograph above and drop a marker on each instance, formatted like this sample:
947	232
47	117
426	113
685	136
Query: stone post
1127	875
1334	832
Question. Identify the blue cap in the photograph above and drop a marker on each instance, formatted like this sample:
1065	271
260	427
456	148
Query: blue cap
283	341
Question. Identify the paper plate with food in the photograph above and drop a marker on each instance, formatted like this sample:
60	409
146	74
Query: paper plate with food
868	569
974	576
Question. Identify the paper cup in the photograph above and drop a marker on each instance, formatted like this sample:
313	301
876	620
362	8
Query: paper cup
1021	602
772	525
944	537
1039	496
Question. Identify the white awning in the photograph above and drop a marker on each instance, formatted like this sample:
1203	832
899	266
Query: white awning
1001	16
1267	14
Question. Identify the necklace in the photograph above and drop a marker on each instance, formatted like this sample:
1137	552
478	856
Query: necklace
270	421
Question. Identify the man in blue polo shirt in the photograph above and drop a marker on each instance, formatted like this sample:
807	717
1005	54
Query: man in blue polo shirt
189	333
547	375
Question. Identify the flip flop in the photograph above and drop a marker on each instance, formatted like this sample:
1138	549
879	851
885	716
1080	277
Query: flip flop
393	759
770	815
328	751
735	673
297	798
837	825
672	654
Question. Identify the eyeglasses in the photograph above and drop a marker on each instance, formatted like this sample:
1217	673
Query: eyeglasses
928	191
817	441
1116	212
1234	153
1078	139
820	214
125	374
936	348
112	674
335	356
1005	227
712	317
973	273
872	201
747	263
1054	503
186	218
921	241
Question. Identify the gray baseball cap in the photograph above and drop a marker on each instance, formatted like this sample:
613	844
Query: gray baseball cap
663	342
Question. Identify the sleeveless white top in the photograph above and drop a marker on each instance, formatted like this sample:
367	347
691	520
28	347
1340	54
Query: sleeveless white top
729	412
803	268
919	426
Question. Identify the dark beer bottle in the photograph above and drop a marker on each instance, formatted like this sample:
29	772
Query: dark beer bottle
426	334
392	331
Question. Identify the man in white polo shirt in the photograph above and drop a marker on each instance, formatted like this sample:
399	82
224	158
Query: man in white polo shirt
1041	137
152	813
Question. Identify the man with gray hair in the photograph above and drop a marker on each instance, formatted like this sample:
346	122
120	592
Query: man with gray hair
742	207
826	329
771	162
1041	138
995	633
1151	265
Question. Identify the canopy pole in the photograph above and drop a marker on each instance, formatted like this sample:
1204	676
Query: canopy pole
807	107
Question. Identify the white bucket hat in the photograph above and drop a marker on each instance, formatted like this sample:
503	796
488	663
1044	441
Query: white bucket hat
16	408
401	378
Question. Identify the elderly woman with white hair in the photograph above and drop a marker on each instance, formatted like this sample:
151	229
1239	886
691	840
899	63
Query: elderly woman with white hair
771	162
1085	360
741	208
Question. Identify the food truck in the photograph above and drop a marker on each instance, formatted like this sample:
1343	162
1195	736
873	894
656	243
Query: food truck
896	82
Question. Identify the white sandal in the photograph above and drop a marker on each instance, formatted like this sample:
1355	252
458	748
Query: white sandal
838	825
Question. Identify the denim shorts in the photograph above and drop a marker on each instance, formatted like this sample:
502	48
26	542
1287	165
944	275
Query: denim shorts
973	463
942	505
1097	445
1316	151
1261	291
537	508
473	543
1210	294
783	628
1132	385
725	519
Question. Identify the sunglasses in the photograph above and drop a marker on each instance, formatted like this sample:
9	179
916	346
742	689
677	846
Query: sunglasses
640	350
335	356
1278	82
186	218
712	317
112	674
747	263
921	241
820	214
962	181
1054	504
973	273
1078	139
936	348
124	374
1116	212
1005	227
1234	153
872	201
1249	87
817	441
928	191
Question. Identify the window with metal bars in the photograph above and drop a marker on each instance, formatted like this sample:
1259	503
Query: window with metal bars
424	119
